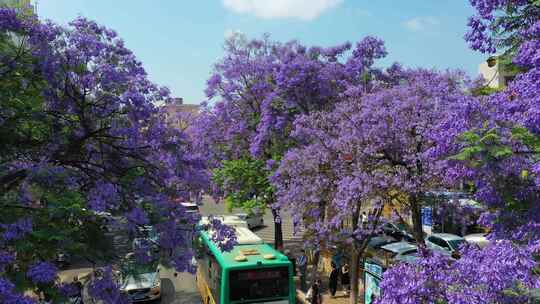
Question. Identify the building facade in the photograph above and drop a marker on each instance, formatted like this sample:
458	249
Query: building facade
495	74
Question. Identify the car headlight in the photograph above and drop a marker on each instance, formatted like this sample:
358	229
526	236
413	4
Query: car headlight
157	282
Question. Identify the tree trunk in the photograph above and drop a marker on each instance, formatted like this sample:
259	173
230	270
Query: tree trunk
355	257
355	275
278	231
418	231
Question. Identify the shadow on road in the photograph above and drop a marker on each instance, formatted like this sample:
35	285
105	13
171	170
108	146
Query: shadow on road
171	296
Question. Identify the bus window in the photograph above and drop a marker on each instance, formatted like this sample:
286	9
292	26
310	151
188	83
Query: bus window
252	284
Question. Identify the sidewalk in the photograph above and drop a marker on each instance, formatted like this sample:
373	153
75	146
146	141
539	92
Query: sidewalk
339	299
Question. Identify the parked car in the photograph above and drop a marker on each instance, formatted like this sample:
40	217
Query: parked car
376	242
190	207
146	233
446	243
397	232
478	239
63	259
393	253
141	282
253	220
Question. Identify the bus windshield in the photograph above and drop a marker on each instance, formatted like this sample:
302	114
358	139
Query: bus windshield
252	284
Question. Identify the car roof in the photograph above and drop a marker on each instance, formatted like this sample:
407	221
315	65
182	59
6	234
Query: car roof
188	204
398	247
447	236
381	240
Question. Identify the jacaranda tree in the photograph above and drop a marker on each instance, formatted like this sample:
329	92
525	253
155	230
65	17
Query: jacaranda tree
371	151
259	88
80	135
494	147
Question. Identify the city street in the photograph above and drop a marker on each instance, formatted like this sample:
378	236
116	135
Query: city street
182	289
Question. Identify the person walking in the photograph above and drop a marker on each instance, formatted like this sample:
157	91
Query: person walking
345	279
364	219
301	263
333	280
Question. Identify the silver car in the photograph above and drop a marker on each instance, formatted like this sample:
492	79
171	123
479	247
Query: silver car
253	220
141	282
445	242
398	252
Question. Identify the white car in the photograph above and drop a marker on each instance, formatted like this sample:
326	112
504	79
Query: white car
478	239
190	207
445	242
141	282
253	220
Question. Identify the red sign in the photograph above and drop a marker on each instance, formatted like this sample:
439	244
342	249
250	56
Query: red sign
258	275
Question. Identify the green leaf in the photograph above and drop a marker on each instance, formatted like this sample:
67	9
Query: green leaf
467	153
501	151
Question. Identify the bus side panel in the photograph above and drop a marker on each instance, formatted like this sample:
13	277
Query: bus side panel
292	286
224	286
204	290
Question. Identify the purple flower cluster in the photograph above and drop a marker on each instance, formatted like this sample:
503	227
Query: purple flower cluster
8	295
16	230
223	235
42	273
107	141
499	273
103	287
6	258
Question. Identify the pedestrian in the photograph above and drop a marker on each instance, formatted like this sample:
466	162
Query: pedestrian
78	284
314	293
301	263
337	258
333	280
364	219
291	258
345	279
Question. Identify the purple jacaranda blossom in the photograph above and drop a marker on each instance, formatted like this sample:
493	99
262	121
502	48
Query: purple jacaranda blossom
6	258
103	286
496	274
493	27
221	234
42	272
8	294
106	148
16	230
69	289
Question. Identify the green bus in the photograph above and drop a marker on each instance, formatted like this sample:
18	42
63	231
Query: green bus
253	272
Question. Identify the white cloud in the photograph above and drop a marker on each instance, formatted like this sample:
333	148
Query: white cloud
269	9
421	23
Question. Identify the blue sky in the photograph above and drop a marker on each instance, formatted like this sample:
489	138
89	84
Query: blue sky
179	40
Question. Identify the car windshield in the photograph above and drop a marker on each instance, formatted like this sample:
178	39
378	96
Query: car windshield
149	232
409	252
242	216
132	267
455	244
